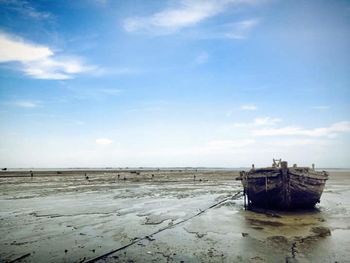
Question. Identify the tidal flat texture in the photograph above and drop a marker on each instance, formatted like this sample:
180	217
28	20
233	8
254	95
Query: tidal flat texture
172	216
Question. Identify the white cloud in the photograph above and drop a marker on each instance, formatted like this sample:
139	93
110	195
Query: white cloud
58	68
188	13
39	61
15	49
330	131
248	107
103	141
295	142
266	121
26	104
260	121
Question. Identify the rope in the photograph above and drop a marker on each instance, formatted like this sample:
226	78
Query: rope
237	195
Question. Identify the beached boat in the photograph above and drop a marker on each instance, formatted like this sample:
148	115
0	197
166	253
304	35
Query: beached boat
283	187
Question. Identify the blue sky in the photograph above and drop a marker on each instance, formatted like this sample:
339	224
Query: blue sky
220	83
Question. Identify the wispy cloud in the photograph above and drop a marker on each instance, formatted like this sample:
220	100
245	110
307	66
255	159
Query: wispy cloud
39	61
56	68
330	131
92	93
26	104
187	13
239	30
103	141
266	121
24	8
321	107
296	142
250	107
260	121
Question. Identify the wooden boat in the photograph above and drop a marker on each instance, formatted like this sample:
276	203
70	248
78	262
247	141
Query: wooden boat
283	187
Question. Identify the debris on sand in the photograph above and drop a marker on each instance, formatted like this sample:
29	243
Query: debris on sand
321	231
278	239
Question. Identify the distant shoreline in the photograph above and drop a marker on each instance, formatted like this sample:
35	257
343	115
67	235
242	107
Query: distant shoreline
128	169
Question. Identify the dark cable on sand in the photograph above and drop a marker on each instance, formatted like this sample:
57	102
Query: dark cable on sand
235	196
20	258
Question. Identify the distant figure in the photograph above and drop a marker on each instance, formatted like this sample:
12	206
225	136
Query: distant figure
124	178
118	176
31	174
152	176
194	178
86	177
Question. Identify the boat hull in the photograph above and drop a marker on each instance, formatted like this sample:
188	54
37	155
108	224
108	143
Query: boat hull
284	190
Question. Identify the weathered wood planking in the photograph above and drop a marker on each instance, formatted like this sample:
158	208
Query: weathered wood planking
283	187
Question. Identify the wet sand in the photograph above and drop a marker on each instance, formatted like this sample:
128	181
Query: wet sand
171	218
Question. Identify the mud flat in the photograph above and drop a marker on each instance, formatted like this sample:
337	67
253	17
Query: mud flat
66	216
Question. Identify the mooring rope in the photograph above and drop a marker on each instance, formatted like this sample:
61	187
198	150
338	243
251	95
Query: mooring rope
235	196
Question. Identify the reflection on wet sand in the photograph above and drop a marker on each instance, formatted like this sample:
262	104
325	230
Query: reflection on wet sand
167	217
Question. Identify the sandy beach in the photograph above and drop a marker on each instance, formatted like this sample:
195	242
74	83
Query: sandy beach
168	217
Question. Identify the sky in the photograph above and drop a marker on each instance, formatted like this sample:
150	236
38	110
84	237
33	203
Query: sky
220	83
